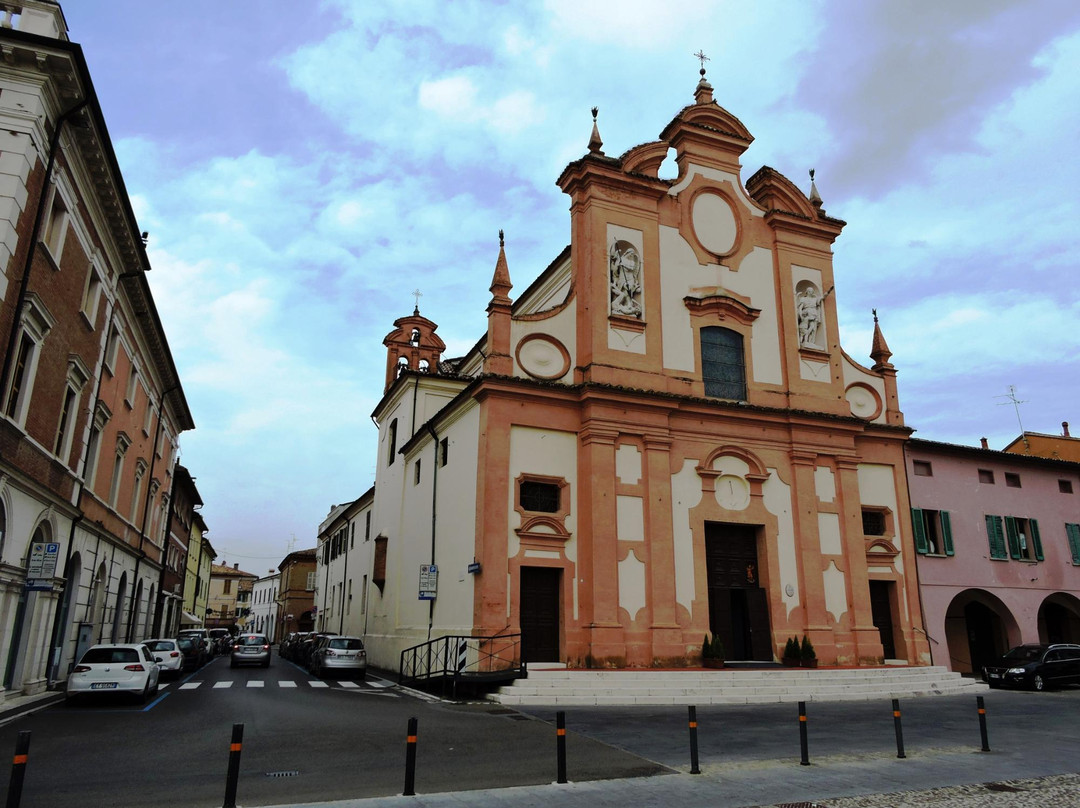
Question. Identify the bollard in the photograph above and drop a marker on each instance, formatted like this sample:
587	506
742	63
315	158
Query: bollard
560	744
693	742
899	729
234	766
805	761
982	723
18	768
410	760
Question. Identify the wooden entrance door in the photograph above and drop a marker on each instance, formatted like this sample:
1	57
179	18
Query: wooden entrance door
539	616
881	614
738	606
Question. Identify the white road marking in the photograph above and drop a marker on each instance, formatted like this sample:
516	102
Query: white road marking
347	683
256	683
222	684
286	684
318	684
190	685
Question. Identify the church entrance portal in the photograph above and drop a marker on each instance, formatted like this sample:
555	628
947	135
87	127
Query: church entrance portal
738	606
539	617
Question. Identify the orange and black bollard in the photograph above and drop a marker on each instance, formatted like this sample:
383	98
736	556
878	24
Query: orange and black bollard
235	745
560	745
899	729
982	723
693	742
803	746
410	760
18	768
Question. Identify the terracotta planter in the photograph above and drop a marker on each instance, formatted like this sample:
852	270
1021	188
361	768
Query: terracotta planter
809	663
708	662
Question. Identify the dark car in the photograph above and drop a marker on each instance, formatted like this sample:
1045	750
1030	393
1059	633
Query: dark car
193	650
1036	666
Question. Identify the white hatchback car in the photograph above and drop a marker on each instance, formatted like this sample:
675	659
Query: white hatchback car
120	668
168	654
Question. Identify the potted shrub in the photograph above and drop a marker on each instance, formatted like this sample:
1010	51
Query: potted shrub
712	652
807	655
791	653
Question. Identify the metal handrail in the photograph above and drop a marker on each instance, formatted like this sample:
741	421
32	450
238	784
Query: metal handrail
456	656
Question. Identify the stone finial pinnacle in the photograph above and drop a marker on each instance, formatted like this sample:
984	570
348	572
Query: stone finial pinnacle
815	197
594	141
880	352
703	91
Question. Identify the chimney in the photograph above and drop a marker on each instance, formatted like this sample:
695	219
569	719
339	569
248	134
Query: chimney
1065	429
236	566
985	445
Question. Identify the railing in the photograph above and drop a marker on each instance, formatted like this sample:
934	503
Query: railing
456	658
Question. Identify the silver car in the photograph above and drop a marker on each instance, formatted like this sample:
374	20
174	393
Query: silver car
339	655
250	649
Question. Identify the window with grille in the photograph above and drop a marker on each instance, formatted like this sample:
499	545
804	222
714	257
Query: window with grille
723	364
539	497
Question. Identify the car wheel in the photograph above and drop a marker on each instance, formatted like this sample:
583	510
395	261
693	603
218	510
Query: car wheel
141	697
1037	683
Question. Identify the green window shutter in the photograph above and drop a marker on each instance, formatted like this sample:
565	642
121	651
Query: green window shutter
1073	534
1014	537
946	533
919	527
996	537
1036	541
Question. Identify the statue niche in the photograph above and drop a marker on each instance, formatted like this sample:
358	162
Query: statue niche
624	277
810	311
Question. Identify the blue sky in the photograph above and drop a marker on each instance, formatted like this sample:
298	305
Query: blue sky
302	167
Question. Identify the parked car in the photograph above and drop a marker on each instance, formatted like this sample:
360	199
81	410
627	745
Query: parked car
220	640
339	655
288	648
1036	666
202	635
167	652
193	651
114	668
250	649
302	655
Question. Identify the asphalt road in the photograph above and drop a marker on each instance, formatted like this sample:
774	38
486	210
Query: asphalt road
304	740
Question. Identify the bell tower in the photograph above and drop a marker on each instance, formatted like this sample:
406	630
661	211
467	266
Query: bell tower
412	345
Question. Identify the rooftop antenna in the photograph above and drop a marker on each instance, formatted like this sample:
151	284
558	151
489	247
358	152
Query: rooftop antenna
1011	395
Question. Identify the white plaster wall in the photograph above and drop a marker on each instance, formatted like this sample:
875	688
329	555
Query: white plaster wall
693	170
632	584
835	592
824	484
755	280
630	518
877	486
856	373
777	498
628	464
547	452
685	495
829	534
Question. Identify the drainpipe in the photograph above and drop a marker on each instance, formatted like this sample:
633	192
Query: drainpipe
434	493
16	319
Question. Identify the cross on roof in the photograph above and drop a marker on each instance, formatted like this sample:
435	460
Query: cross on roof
701	57
417	294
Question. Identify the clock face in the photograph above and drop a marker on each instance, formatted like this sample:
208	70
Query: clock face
732	492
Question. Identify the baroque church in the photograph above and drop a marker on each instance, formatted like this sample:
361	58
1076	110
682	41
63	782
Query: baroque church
661	437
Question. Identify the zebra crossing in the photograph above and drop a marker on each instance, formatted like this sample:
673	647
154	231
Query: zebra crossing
375	686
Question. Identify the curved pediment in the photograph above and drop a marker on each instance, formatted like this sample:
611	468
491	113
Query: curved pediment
773	191
712	118
645	159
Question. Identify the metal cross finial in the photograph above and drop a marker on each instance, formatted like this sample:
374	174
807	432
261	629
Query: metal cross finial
417	294
701	57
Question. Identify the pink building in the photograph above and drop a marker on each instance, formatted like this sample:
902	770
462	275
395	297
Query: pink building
998	546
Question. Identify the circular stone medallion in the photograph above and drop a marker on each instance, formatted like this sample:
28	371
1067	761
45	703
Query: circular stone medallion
714	223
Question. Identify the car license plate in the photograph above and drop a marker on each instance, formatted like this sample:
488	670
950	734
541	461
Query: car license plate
251	650
103	685
995	675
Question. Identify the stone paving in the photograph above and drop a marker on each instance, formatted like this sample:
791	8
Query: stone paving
1058	791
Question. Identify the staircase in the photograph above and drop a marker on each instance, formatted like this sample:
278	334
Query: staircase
560	686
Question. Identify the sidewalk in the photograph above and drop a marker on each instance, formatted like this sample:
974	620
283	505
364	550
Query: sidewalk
16	706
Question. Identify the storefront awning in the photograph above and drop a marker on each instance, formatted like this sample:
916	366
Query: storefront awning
188	619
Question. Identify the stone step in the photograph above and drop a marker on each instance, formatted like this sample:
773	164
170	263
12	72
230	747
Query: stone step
589	687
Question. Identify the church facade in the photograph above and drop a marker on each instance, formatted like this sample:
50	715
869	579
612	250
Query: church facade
661	437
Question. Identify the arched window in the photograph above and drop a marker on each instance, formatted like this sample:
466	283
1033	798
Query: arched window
402	364
414	338
723	365
392	441
425	366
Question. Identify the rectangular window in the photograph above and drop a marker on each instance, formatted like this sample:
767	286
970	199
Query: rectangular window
132	386
114	486
933	532
873	522
56	227
723	363
1065	486
67	423
112	347
20	378
995	533
91	296
148	419
136	495
1023	536
310	587
986	476
444	451
227	588
1072	533
1012	480
367	526
922	468
416	473
352	535
539	497
92	456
